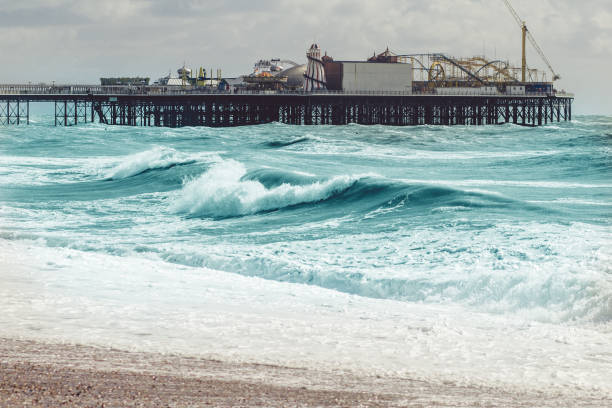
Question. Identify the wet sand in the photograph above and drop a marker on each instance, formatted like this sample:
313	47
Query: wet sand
34	374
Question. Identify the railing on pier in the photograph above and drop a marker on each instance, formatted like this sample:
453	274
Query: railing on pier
46	89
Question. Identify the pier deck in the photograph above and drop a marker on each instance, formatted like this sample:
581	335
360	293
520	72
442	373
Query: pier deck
132	107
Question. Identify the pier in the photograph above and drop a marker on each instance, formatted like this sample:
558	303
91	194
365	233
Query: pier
154	106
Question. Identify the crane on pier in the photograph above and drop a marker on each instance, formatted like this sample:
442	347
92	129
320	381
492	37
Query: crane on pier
527	35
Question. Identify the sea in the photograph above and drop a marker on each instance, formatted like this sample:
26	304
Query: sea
477	255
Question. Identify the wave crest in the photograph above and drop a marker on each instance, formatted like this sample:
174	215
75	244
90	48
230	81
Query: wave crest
286	143
156	158
223	191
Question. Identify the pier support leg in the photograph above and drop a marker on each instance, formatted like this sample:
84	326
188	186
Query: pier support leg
540	112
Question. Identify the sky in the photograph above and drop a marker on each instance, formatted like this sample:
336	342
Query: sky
79	41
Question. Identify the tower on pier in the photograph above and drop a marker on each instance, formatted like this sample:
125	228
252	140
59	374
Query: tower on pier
315	73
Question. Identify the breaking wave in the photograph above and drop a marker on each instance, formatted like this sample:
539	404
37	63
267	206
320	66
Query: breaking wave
155	158
223	192
228	190
551	293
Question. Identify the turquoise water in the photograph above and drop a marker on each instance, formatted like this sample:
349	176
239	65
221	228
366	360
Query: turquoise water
495	220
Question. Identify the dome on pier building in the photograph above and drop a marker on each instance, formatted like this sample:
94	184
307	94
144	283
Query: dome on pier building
295	76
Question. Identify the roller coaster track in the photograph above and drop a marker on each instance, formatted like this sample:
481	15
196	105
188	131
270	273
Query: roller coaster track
456	64
442	57
503	72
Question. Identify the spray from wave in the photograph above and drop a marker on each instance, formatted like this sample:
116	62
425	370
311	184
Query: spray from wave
223	191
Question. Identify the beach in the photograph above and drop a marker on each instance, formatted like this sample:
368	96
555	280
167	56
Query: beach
36	374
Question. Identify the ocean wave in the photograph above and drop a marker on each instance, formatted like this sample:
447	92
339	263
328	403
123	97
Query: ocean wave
228	190
282	143
223	192
271	177
155	158
537	279
548	297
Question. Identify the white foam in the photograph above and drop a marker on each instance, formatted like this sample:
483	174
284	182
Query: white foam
574	201
221	192
35	170
508	183
42	170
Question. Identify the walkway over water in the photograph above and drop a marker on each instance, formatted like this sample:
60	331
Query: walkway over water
163	106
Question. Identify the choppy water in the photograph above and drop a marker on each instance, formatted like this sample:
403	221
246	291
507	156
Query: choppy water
478	253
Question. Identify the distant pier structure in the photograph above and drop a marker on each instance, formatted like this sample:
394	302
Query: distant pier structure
297	108
386	89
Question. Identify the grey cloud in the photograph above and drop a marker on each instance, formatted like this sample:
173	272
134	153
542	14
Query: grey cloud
41	16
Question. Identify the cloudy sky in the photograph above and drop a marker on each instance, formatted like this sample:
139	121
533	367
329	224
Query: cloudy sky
82	40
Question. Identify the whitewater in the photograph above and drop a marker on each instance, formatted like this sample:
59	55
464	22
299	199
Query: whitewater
477	255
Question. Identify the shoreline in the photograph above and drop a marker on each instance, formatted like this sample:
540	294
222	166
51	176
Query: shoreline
40	374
